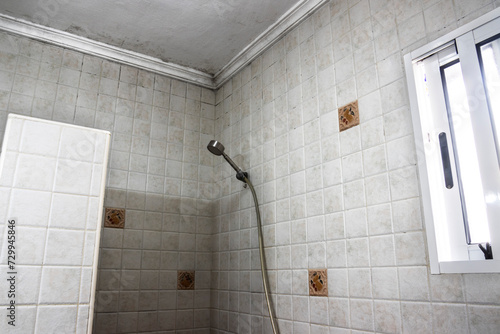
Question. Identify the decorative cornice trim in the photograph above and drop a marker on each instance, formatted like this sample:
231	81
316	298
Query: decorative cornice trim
285	23
288	21
88	46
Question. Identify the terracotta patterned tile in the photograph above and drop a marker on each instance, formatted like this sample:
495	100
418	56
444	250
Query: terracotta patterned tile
348	116
318	282
185	280
114	218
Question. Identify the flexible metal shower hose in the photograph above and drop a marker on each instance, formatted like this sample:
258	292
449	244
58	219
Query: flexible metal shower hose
263	268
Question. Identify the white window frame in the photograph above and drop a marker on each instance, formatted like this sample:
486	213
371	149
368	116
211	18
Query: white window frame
450	239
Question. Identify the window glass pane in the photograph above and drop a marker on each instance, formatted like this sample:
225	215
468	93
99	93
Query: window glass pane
490	56
465	155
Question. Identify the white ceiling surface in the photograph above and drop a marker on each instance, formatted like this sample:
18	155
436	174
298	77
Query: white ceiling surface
200	34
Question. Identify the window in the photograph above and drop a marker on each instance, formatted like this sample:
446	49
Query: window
454	86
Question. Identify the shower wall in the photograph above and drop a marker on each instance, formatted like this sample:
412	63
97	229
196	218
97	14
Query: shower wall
348	202
50	172
158	172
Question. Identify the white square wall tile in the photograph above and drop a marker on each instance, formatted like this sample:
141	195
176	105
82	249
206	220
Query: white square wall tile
56	319
60	285
374	160
26	325
34	172
371	106
358	253
356	223
4	284
73	177
482	288
333	199
69	211
82	321
449	318
314	203
377	189
385	283
417	317
411	249
407	215
315	229
332	174
379	219
316	253
101	142
362	314
30	245
401	152
319	310
88	252
8	168
86	286
484	319
382	251
447	288
413	283
387	316
64	247
352	167
40	138
403	183
13	132
354	194
27	284
30	207
372	132
77	144
336	254
96	182
94	213
339	315
359	283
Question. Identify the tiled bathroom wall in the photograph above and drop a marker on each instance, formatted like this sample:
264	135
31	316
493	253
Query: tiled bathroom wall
52	192
159	172
343	201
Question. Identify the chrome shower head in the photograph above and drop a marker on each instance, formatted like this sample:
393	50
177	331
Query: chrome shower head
218	149
215	147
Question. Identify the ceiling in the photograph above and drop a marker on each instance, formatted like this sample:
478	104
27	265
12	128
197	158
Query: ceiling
199	34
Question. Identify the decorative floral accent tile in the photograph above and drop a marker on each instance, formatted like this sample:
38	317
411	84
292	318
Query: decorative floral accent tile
114	218
348	116
318	282
185	280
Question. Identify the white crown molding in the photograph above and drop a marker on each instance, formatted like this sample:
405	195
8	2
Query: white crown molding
88	46
292	18
285	23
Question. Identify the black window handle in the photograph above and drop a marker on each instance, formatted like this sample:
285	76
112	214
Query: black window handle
445	157
488	253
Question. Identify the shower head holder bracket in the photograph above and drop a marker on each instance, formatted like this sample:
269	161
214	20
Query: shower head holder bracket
241	176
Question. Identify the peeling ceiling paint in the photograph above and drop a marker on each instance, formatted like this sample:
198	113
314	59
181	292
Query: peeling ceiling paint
201	34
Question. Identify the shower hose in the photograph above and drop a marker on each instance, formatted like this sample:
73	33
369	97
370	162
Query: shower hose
263	267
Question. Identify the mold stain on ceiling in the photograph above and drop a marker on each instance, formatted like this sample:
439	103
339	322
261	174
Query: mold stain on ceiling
201	34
